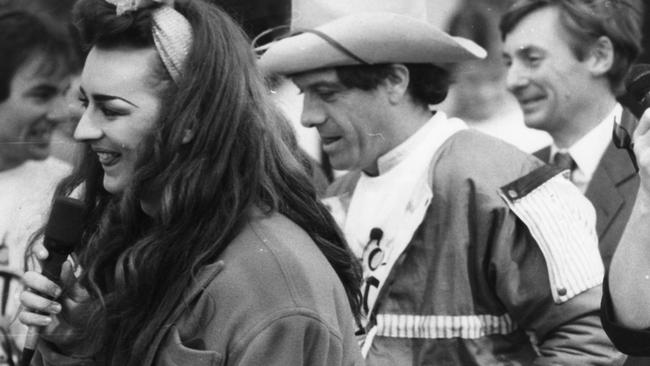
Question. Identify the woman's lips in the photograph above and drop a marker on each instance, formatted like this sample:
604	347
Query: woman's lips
108	158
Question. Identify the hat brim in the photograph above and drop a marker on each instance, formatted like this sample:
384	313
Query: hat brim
375	38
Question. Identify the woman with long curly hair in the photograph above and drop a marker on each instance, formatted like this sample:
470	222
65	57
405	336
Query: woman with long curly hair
204	242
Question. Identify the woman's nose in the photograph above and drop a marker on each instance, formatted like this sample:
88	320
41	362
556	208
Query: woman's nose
87	129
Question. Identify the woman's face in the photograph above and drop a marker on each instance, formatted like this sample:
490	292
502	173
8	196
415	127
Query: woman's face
121	109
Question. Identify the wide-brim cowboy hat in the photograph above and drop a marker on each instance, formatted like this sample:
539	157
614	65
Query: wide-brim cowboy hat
367	38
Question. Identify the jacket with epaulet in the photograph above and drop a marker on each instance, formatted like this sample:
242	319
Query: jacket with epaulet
503	269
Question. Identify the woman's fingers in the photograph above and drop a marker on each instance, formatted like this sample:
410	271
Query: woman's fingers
36	302
39	251
39	283
37	310
71	284
644	124
34	319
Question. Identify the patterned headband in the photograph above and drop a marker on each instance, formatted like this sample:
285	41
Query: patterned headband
172	33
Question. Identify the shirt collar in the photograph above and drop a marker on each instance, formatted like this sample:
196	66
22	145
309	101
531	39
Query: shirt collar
588	151
395	156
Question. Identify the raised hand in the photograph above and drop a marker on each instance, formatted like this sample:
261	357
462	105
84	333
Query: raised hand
61	311
642	150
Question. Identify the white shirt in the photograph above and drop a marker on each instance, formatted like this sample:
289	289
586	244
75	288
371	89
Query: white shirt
588	151
25	198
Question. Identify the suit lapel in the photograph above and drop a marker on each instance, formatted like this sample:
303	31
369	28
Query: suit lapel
544	154
603	191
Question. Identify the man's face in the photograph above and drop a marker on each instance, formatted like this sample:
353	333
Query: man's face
549	82
351	122
36	104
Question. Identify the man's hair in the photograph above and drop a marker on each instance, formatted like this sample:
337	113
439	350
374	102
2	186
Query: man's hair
585	21
428	83
25	35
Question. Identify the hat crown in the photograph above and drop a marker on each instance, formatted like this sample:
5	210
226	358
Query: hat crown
374	38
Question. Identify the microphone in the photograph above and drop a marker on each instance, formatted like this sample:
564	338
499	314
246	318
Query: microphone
637	87
62	234
376	234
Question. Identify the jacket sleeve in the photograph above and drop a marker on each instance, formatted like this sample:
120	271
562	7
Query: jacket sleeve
291	340
634	342
47	355
549	274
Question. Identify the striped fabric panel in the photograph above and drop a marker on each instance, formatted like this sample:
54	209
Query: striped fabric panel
443	326
563	223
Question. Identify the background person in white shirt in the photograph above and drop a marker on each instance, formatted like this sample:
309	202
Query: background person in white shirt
35	65
35	73
566	61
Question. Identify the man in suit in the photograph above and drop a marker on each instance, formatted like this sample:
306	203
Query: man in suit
566	61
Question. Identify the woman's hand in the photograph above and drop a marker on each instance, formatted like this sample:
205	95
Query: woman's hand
59	310
642	150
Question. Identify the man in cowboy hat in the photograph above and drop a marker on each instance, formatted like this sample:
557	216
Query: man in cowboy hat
473	252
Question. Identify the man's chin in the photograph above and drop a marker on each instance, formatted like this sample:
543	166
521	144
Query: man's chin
39	152
535	120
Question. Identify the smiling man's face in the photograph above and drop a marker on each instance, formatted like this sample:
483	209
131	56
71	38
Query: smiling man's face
35	105
543	73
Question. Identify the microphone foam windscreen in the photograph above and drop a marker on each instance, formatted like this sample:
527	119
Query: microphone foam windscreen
638	80
66	221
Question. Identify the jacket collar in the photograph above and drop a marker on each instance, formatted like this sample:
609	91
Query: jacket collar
202	280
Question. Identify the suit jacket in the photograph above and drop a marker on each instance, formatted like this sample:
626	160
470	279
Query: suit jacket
612	191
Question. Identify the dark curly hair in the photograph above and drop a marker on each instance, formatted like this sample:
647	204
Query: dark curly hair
24	35
428	83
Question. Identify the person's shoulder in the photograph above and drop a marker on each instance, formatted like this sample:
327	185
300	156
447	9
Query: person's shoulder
57	165
476	144
51	167
482	159
278	260
274	269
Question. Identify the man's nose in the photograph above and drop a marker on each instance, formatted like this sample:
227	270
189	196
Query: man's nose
516	78
312	112
59	110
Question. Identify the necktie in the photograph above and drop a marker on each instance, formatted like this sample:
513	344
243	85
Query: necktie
564	161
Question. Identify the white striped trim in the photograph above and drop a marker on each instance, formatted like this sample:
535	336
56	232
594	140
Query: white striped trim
443	326
563	222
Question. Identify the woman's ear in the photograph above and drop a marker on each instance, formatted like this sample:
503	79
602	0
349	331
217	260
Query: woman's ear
601	56
397	83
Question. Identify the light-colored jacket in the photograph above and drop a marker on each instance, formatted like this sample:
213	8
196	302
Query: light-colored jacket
473	286
277	301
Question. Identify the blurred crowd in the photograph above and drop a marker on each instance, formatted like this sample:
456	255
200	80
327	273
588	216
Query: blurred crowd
474	185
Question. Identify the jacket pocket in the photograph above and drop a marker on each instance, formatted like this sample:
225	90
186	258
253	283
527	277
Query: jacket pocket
174	353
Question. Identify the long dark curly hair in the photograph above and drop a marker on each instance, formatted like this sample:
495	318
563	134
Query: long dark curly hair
135	266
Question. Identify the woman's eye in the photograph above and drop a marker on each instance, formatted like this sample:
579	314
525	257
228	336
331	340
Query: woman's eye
110	112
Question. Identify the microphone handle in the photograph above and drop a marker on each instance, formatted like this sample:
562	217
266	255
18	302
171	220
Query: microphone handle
51	268
30	346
